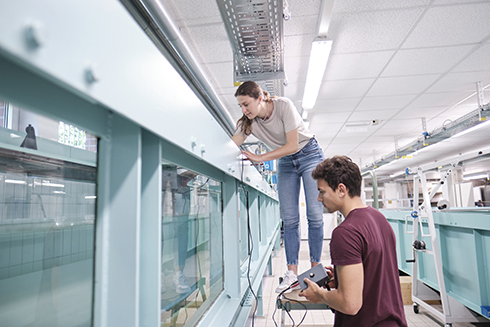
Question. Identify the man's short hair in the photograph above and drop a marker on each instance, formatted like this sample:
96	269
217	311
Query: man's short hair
340	169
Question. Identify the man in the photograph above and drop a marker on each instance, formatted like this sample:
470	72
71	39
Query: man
363	251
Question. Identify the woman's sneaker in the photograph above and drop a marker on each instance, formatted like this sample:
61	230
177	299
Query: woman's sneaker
181	286
289	278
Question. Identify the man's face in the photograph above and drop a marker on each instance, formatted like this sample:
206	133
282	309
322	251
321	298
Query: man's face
327	196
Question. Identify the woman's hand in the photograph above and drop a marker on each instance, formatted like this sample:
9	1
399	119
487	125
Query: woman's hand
252	156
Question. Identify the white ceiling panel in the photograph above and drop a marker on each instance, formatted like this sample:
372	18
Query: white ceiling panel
333	105
426	113
191	12
452	2
402	126
294	91
365	115
304	8
329	117
386	102
461	82
338	151
370	31
300	25
472	100
402	85
394	129
442	99
361	65
298	46
353	88
369	5
293	67
479	60
426	61
219	49
222	71
326	132
451	25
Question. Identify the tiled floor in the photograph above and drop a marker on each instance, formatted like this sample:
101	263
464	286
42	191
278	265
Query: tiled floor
322	317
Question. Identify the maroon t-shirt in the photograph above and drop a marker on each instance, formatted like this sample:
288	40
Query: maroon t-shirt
366	237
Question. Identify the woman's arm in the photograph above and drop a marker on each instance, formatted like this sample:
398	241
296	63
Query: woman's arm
291	146
238	139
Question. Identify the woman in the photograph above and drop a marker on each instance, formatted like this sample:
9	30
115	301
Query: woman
276	122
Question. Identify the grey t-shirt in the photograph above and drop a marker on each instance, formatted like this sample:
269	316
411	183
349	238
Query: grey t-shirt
284	119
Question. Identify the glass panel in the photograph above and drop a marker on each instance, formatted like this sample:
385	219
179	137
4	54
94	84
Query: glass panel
3	108
42	132
243	214
46	241
192	245
47	213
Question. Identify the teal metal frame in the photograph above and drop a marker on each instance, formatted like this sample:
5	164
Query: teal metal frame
464	241
139	120
457	252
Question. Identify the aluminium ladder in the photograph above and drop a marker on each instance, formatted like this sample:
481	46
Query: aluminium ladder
452	310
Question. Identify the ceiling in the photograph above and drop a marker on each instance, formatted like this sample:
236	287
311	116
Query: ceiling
395	61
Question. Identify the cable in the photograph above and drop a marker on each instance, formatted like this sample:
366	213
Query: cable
290	317
250	259
241	178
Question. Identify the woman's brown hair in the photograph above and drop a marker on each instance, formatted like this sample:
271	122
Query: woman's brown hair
253	90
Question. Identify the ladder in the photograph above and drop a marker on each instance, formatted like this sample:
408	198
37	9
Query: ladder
452	310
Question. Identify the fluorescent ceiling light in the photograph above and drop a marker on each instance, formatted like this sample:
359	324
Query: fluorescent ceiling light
15	181
320	50
358	123
371	122
45	183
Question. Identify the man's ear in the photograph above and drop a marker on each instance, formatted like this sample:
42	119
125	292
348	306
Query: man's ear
342	189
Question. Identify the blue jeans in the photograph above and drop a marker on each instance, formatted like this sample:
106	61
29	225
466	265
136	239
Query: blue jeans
290	171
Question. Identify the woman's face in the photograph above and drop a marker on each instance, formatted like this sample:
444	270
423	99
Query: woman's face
249	105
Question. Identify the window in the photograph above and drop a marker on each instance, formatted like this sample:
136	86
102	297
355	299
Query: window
192	244
47	213
47	221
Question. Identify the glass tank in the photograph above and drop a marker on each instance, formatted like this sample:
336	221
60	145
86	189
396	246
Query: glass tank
192	244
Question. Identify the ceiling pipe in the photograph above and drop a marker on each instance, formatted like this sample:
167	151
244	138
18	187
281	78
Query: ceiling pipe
164	29
375	186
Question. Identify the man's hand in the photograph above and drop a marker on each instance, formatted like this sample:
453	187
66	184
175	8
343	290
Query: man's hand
313	293
331	276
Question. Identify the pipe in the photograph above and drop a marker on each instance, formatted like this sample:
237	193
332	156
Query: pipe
375	187
166	31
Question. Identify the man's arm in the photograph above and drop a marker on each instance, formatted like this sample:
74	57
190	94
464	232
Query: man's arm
347	298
